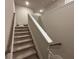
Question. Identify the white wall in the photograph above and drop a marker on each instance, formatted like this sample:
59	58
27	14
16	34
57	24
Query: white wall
22	15
9	9
59	24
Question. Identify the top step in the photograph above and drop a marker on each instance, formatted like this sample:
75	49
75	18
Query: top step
21	27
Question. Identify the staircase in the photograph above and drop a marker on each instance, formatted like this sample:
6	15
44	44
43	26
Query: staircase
23	47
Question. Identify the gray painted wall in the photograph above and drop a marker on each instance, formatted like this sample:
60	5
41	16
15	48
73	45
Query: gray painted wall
56	4
59	24
9	9
22	15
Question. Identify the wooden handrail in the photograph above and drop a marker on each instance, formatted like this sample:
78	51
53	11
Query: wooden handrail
8	50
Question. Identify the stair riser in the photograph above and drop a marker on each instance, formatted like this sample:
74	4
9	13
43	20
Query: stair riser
18	39
22	38
23	49
20	34
21	28
25	30
29	40
22	44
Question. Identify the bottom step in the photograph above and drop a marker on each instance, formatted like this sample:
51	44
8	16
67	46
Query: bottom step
24	54
32	57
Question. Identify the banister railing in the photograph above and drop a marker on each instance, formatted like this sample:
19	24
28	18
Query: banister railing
42	41
10	41
47	38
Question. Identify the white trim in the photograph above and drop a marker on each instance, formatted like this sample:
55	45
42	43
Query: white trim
11	54
48	39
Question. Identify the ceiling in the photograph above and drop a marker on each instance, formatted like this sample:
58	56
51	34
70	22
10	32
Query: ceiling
35	5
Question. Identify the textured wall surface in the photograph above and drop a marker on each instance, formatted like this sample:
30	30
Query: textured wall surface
59	24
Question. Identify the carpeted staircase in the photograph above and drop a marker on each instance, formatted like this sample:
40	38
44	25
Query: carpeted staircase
24	47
